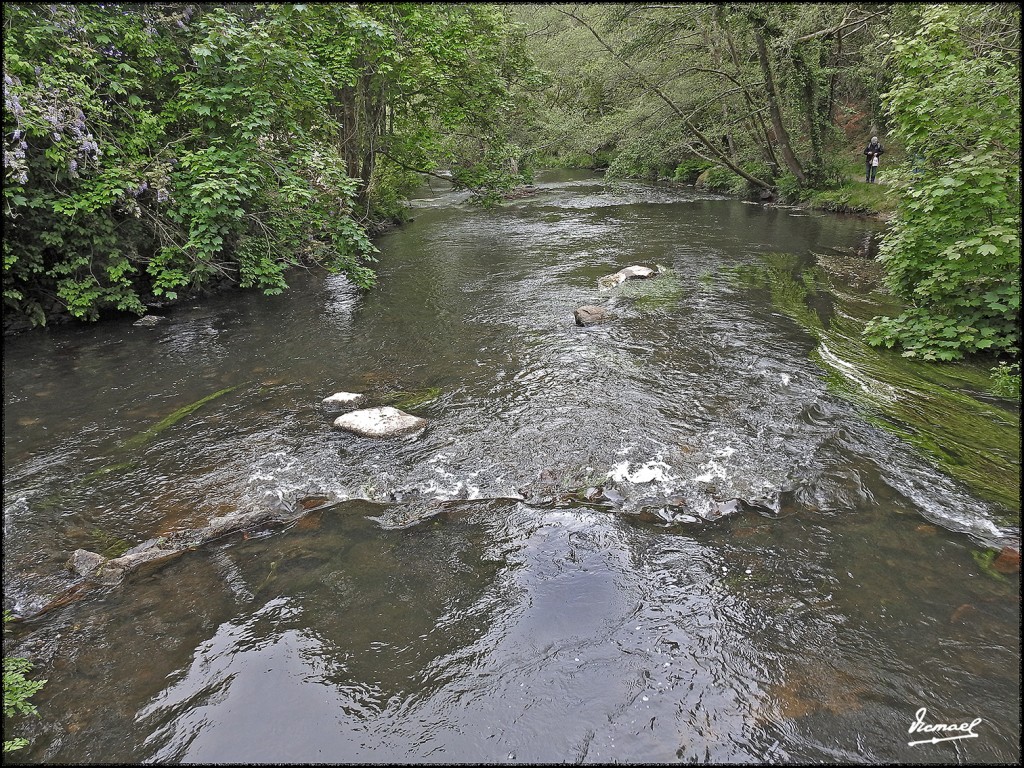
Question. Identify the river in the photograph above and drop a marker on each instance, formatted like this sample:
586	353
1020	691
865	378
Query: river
784	566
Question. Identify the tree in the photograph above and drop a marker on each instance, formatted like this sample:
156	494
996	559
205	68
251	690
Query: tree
164	149
751	88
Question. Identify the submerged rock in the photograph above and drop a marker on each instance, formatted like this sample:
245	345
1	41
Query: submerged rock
380	422
519	192
629	273
612	496
112	571
1008	561
147	320
85	563
341	400
590	315
961	613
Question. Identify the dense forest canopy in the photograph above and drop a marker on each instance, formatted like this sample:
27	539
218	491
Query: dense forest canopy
152	151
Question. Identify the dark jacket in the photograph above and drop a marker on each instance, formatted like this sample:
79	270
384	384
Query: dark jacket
873	149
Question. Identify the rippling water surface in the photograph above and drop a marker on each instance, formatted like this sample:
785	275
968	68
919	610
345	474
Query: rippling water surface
771	576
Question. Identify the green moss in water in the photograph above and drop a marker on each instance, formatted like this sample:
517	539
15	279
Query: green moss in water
931	406
109	469
661	293
174	418
109	545
407	401
789	286
984	558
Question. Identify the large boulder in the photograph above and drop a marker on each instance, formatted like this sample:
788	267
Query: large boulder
379	422
629	273
590	315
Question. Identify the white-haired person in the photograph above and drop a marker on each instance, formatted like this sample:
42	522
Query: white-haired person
871	153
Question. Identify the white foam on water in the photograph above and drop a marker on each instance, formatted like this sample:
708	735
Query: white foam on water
650	471
714	469
872	387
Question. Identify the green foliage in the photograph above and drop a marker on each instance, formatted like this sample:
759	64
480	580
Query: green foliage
165	150
18	689
789	188
954	250
723	180
853	197
688	170
390	187
665	85
153	151
1006	380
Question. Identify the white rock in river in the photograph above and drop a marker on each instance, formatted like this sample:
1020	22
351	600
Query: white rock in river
629	273
342	399
379	422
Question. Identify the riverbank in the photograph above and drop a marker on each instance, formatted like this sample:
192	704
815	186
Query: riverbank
57	315
876	201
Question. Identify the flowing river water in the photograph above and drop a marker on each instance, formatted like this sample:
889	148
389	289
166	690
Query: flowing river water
784	557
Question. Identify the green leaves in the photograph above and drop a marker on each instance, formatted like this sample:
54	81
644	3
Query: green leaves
954	249
198	139
168	148
18	689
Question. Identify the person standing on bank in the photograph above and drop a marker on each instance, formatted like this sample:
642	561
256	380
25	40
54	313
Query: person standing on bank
874	149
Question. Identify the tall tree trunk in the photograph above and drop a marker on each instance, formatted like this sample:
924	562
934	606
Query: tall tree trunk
756	125
832	79
811	107
792	163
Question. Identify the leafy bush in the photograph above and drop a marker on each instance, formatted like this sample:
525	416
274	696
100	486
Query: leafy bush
1006	380
954	250
723	180
688	170
789	188
390	188
154	150
635	160
161	150
18	689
